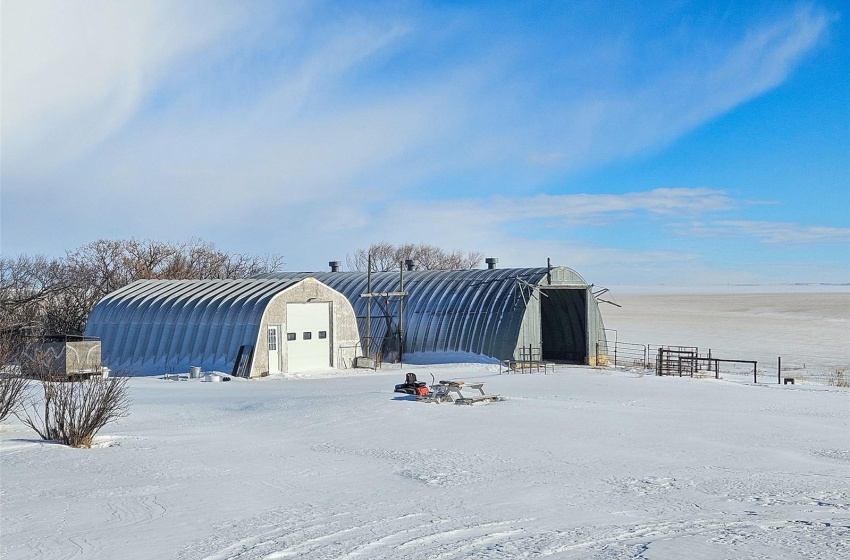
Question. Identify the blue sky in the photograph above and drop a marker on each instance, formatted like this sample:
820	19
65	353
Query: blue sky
682	143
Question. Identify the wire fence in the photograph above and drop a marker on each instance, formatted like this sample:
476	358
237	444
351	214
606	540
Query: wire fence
759	368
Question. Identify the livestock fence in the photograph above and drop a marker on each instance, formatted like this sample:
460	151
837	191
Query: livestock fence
690	361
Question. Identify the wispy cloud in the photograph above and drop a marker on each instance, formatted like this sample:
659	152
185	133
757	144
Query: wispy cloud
76	73
74	76
597	126
572	210
297	129
523	230
781	233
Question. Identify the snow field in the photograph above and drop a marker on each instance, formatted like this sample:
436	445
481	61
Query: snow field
581	463
809	330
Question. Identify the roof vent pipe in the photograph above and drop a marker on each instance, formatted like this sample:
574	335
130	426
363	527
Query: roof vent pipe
410	264
334	266
491	262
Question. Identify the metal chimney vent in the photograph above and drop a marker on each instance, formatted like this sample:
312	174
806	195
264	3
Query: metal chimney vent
491	262
334	266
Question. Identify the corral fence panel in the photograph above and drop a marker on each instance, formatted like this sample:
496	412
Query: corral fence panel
689	361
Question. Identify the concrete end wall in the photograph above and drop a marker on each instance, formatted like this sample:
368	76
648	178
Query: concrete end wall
344	333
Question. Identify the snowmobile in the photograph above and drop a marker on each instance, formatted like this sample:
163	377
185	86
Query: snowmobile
411	386
444	391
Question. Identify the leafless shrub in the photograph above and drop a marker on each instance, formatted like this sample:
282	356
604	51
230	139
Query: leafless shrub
839	379
388	257
73	412
12	392
12	383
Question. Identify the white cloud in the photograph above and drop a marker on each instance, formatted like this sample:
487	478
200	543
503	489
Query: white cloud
765	57
74	73
678	96
782	233
571	210
274	129
521	230
512	230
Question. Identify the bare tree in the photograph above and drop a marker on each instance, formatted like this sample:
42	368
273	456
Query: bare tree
386	257
200	260
56	296
116	263
26	285
12	383
72	412
383	258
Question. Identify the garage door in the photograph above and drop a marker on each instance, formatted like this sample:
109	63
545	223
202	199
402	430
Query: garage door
308	342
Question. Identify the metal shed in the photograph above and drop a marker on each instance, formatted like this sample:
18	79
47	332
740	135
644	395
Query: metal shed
510	314
244	327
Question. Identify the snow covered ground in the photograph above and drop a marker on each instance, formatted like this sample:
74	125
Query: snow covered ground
580	463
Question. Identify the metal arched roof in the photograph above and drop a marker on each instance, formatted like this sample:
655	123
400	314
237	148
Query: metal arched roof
152	326
476	311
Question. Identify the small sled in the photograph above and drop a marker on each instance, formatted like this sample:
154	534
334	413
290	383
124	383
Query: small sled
452	391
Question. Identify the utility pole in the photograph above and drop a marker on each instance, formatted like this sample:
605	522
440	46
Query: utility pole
369	306
386	295
401	314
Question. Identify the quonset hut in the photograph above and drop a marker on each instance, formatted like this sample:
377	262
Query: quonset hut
510	314
244	327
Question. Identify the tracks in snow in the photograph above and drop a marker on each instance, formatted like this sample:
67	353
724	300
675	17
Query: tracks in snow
385	531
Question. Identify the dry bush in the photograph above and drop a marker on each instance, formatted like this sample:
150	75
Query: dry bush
73	412
839	379
12	392
12	383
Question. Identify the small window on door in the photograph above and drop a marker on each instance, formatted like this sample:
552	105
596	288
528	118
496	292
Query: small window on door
307	336
272	340
290	336
323	334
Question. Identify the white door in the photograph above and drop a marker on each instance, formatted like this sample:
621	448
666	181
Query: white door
308	341
274	349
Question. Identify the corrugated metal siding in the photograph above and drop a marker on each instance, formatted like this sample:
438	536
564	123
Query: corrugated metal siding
490	312
152	326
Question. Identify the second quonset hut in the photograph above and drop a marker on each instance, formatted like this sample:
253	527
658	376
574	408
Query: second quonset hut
546	313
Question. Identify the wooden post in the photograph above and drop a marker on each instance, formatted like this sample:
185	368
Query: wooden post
658	362
779	370
755	375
